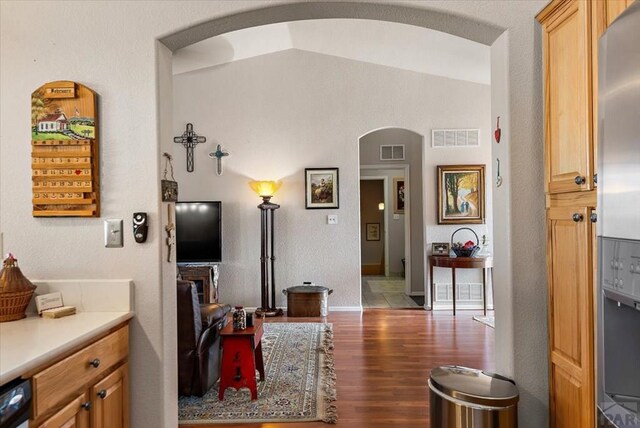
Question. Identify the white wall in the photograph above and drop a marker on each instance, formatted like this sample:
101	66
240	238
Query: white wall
279	113
119	60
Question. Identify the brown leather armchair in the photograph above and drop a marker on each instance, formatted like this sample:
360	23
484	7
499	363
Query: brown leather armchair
198	340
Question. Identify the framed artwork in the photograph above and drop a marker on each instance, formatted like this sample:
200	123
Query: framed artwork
398	195
321	188
460	194
440	248
373	231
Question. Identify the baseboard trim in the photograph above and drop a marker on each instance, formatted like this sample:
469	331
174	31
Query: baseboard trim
331	308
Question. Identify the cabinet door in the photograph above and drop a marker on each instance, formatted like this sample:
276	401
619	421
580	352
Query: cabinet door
568	108
73	415
571	380
111	400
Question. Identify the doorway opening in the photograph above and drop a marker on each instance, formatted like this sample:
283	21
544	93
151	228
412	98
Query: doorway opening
398	284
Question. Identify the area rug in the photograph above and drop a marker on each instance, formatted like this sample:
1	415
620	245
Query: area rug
299	382
489	321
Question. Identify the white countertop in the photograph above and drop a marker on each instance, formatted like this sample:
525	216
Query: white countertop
30	342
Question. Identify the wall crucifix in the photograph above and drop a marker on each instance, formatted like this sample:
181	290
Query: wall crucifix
219	154
189	140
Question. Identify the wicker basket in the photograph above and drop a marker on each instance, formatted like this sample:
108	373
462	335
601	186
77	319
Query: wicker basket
16	291
465	252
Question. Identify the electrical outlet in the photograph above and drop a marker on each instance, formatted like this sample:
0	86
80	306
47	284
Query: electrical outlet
113	233
396	216
332	219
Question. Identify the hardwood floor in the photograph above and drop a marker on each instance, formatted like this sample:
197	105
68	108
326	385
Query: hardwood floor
383	358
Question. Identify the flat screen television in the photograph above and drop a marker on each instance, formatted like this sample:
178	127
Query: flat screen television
199	232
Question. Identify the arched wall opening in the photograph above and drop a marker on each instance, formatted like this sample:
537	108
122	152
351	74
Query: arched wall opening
413	215
453	24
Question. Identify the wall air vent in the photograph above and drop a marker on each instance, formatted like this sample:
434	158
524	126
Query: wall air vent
455	138
392	152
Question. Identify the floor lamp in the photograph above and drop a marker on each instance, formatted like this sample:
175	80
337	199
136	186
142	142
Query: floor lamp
266	189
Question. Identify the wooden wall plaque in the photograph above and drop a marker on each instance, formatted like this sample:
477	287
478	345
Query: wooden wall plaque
64	151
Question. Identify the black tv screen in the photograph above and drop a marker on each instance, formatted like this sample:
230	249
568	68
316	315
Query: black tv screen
199	232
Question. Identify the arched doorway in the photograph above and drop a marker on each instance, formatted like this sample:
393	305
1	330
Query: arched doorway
429	19
403	214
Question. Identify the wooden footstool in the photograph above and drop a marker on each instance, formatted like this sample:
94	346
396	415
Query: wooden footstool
241	355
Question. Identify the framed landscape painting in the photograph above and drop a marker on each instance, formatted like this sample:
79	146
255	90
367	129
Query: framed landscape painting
460	194
321	188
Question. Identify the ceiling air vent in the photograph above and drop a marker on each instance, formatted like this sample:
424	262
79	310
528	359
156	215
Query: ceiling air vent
455	138
392	152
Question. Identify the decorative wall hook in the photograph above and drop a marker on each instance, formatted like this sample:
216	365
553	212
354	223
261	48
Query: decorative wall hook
498	132
219	154
189	140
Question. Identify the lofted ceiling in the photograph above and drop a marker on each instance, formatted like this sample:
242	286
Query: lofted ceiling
384	43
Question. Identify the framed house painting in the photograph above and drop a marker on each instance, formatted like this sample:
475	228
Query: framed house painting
373	231
321	188
461	194
398	195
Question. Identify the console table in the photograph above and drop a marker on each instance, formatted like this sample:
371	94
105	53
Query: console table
484	263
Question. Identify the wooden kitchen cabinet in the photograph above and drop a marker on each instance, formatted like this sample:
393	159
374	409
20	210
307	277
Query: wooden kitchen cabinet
86	388
110	397
566	32
569	260
570	31
73	415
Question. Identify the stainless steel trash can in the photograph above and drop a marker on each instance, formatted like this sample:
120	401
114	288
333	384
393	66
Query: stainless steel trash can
461	397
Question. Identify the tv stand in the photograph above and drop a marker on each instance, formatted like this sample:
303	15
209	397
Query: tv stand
206	279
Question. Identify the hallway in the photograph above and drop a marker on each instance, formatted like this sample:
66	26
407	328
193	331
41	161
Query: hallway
382	292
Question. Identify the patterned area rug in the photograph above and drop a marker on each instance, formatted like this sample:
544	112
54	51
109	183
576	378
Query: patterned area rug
299	382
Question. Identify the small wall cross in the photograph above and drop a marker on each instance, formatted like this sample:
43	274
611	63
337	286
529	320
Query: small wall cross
219	154
189	140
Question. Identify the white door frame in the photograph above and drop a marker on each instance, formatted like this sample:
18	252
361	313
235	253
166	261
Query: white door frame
407	218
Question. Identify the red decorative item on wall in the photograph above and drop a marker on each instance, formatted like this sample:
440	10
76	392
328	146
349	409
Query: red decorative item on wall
498	131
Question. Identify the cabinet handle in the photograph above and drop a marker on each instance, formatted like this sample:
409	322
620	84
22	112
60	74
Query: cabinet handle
577	217
580	180
86	405
102	394
593	217
95	362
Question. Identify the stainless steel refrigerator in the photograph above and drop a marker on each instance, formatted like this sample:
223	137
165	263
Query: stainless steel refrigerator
618	226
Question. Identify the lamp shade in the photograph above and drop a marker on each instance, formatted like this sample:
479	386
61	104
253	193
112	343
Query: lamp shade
265	188
381	206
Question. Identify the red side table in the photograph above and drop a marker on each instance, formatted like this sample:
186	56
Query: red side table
241	355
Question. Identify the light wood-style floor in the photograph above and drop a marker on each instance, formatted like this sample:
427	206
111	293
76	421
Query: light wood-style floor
383	358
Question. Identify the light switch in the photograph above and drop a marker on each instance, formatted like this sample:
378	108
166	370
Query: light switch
396	216
332	219
113	233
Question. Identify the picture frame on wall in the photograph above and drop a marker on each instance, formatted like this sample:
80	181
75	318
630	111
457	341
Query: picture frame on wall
321	188
440	248
398	195
461	194
373	231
